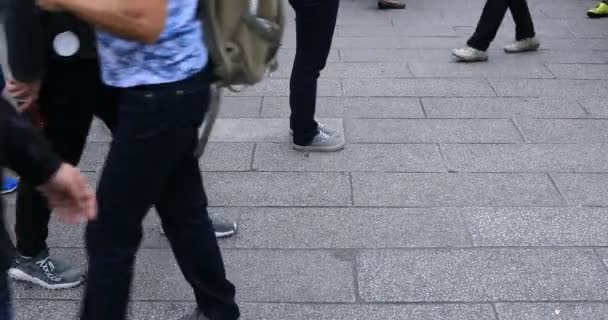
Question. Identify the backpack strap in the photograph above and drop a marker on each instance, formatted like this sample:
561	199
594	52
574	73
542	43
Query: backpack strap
214	108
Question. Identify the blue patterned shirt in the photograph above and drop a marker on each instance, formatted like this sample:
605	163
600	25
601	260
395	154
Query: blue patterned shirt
178	54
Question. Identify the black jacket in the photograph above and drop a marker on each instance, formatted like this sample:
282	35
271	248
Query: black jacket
24	150
30	33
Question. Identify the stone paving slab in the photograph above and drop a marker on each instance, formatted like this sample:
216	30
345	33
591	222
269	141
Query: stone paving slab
357	157
546	227
583	189
347	107
502	108
259	130
550	88
596	107
431	131
552	311
526	157
460	275
240	107
505	69
355	70
417	88
278	189
351	228
564	131
453	190
579	71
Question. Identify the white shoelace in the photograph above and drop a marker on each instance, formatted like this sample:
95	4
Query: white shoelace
48	268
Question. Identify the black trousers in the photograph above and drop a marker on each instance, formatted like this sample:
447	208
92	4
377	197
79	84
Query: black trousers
71	94
491	18
151	163
315	25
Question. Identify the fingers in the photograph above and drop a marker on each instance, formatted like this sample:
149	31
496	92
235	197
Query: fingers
26	105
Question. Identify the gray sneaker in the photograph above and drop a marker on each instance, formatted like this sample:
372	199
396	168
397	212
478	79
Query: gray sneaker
324	128
468	54
46	272
196	315
221	226
529	44
323	142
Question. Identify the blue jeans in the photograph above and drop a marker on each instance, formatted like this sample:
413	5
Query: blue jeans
151	163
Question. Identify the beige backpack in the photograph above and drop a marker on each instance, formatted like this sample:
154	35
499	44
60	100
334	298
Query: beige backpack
243	38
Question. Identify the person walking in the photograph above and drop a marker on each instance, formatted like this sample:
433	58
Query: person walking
54	61
491	18
152	52
25	151
315	25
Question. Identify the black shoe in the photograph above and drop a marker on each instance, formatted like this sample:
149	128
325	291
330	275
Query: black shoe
390	4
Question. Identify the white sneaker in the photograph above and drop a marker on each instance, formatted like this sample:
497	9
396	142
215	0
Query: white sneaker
529	44
468	54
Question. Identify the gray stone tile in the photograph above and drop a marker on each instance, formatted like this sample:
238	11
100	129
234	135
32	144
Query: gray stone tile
505	69
485	190
99	132
367	312
502	108
240	107
351	228
597	107
564	131
481	275
393	55
552	311
291	276
258	130
579	71
49	310
94	156
286	56
538	226
355	157
278	189
280	88
575	55
431	131
421	31
550	88
355	70
227	157
417	88
583	189
278	107
397	42
526	157
566	44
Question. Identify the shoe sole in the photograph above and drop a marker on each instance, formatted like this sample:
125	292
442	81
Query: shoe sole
7	191
227	234
19	275
218	235
333	148
525	50
463	59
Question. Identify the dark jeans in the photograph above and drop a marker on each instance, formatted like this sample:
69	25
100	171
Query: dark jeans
491	18
71	94
152	163
315	24
6	310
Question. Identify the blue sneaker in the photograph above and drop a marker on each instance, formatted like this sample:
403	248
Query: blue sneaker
9	185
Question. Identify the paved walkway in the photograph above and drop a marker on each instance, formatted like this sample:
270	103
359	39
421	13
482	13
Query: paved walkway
466	192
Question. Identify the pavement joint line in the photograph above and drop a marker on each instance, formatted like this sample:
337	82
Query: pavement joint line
261	110
421	102
602	261
252	162
444	160
496	316
561	195
587	112
521	134
413	172
352	188
385	249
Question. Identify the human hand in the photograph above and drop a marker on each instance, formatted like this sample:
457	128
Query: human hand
68	192
26	93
